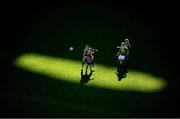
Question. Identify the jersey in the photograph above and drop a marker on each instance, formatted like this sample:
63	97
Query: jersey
122	51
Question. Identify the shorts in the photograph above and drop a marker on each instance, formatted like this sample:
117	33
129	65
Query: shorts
121	57
88	61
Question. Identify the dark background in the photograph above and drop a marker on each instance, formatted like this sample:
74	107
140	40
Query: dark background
50	28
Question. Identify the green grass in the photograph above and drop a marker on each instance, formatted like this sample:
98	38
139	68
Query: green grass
104	76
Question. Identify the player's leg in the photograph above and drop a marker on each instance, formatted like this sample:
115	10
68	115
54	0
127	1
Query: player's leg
91	68
120	59
127	55
92	60
126	65
86	68
83	61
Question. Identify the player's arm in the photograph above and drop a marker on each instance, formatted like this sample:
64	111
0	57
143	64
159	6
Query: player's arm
118	46
84	53
92	57
126	48
92	49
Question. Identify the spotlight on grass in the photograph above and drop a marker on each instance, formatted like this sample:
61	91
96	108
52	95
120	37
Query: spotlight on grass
69	70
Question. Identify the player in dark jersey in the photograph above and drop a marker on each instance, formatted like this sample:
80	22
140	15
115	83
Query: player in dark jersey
88	57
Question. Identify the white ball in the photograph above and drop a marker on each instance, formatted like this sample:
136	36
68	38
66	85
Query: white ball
71	48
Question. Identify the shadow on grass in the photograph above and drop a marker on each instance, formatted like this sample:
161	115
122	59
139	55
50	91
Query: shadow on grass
122	70
85	77
26	94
